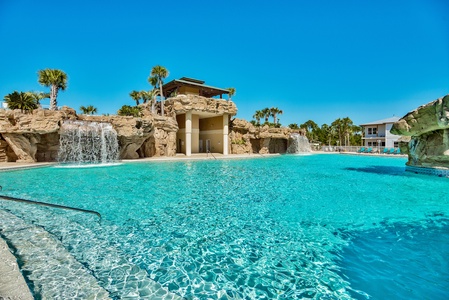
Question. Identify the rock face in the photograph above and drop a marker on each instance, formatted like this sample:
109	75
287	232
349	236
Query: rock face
426	132
246	138
31	137
182	103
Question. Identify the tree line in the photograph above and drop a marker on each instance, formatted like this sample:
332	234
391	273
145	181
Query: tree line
341	132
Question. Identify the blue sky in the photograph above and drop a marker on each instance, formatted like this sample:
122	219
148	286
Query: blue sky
318	60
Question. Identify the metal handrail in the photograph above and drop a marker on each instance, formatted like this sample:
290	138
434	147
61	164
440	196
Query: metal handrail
49	204
208	151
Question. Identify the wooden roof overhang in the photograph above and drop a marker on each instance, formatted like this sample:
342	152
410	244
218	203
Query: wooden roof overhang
204	90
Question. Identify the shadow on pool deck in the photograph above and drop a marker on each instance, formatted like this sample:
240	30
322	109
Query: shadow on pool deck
383	170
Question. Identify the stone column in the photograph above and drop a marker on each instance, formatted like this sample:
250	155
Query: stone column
189	133
225	134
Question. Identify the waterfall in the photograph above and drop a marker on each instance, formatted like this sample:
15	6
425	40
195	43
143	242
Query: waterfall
87	142
298	144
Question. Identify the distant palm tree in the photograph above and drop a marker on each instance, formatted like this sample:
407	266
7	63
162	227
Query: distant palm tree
89	110
231	93
160	73
56	80
136	96
293	126
23	101
274	111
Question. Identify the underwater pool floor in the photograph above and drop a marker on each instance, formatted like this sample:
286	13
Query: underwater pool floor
286	227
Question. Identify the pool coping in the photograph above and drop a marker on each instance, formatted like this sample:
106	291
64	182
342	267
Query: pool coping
11	166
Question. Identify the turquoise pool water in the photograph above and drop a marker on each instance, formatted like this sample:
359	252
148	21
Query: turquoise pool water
287	227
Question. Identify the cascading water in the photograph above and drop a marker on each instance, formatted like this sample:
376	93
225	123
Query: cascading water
298	144
87	142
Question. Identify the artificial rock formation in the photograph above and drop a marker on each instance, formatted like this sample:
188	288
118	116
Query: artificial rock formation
183	103
31	137
426	131
247	138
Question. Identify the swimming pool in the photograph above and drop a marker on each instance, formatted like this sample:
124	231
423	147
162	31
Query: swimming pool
286	227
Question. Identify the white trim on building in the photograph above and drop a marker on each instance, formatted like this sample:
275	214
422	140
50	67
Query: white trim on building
377	133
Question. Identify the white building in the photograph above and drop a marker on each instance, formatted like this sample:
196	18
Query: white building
377	133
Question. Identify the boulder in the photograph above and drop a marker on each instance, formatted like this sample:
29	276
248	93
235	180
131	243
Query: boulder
427	129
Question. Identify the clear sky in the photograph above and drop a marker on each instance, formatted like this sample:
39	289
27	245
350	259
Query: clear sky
318	60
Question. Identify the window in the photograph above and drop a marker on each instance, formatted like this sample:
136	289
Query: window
370	130
396	144
383	144
374	130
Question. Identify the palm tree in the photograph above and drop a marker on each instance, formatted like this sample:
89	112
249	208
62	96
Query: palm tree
258	115
89	110
126	110
153	94
136	96
266	114
231	93
38	96
56	80
160	73
311	127
274	111
145	96
23	101
293	126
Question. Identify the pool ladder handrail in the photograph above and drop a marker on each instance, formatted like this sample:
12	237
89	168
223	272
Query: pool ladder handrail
208	152
49	204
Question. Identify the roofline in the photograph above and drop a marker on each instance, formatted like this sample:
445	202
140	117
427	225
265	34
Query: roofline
225	91
380	122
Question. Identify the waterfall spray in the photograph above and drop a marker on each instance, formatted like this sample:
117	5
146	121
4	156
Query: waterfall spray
87	142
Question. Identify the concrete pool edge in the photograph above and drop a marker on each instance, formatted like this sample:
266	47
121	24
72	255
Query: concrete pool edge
12	282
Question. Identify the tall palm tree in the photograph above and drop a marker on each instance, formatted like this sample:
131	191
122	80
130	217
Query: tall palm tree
88	110
136	96
274	111
160	73
23	101
231	93
56	80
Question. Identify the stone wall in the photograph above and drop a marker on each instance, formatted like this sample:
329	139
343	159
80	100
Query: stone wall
183	103
426	131
246	138
32	137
